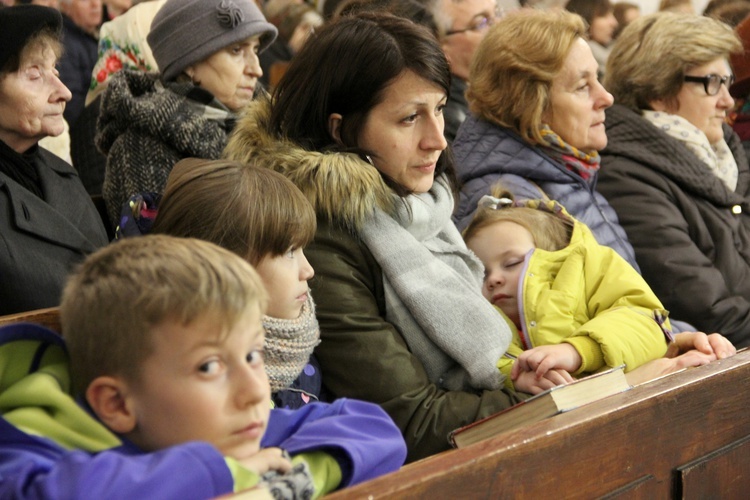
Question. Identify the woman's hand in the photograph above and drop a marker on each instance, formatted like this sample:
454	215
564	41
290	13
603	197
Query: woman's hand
529	383
715	344
547	357
664	366
267	459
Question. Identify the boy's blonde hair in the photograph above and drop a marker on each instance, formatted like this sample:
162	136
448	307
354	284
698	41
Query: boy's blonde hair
112	303
549	231
249	210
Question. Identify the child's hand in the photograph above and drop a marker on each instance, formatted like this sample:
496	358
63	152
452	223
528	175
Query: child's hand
546	357
265	460
529	383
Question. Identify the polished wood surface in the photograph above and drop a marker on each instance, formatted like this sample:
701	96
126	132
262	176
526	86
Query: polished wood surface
686	435
49	317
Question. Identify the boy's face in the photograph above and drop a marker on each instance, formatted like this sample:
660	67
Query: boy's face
200	384
502	248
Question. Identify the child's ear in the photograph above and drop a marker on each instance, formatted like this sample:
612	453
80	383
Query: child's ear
108	397
334	126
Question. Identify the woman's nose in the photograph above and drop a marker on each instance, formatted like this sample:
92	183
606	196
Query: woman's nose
726	101
434	140
603	98
60	92
252	65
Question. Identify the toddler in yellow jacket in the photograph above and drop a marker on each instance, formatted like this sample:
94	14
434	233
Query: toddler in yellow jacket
577	306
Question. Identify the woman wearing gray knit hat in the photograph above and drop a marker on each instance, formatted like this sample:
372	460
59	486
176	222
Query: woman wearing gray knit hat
207	52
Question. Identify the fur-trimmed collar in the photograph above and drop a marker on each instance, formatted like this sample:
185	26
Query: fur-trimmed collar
342	188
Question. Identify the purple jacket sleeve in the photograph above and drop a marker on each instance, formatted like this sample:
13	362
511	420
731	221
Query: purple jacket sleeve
360	435
34	469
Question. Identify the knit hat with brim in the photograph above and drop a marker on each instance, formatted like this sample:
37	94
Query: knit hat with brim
741	62
185	32
19	23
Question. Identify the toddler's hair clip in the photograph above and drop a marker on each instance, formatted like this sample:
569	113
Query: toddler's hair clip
488	201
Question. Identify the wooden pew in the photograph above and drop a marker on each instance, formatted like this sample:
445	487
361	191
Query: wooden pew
49	317
686	435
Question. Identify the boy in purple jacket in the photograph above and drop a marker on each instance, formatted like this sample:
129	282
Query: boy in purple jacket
165	344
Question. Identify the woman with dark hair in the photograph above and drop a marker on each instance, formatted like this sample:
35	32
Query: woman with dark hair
47	220
602	24
357	125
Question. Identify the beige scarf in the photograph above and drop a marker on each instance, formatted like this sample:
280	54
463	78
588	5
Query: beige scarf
718	157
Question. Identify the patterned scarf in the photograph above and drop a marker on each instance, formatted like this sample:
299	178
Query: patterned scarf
717	157
586	165
203	103
433	293
289	344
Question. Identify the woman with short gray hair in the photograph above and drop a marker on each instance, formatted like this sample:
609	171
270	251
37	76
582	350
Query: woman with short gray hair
676	173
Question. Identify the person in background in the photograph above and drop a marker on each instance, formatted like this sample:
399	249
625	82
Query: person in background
122	45
681	6
81	21
462	25
113	8
48	223
676	173
297	22
169	398
207	53
602	24
625	13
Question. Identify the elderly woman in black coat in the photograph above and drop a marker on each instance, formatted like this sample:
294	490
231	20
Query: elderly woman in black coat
47	220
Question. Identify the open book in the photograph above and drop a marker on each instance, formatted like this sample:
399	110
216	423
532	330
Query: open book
545	404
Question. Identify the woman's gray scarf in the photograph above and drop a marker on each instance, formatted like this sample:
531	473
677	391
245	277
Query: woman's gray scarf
289	344
433	291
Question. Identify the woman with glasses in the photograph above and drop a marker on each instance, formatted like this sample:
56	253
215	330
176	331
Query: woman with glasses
676	173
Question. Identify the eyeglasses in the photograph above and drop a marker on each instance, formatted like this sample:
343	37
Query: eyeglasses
711	83
479	22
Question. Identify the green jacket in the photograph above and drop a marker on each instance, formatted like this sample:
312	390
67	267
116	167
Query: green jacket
361	354
588	296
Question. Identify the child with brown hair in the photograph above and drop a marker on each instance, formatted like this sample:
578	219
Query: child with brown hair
261	216
165	394
577	307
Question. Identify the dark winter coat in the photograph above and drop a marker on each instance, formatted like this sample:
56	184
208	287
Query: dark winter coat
691	234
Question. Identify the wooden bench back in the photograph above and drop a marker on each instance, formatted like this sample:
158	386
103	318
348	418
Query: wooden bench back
686	435
49	317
